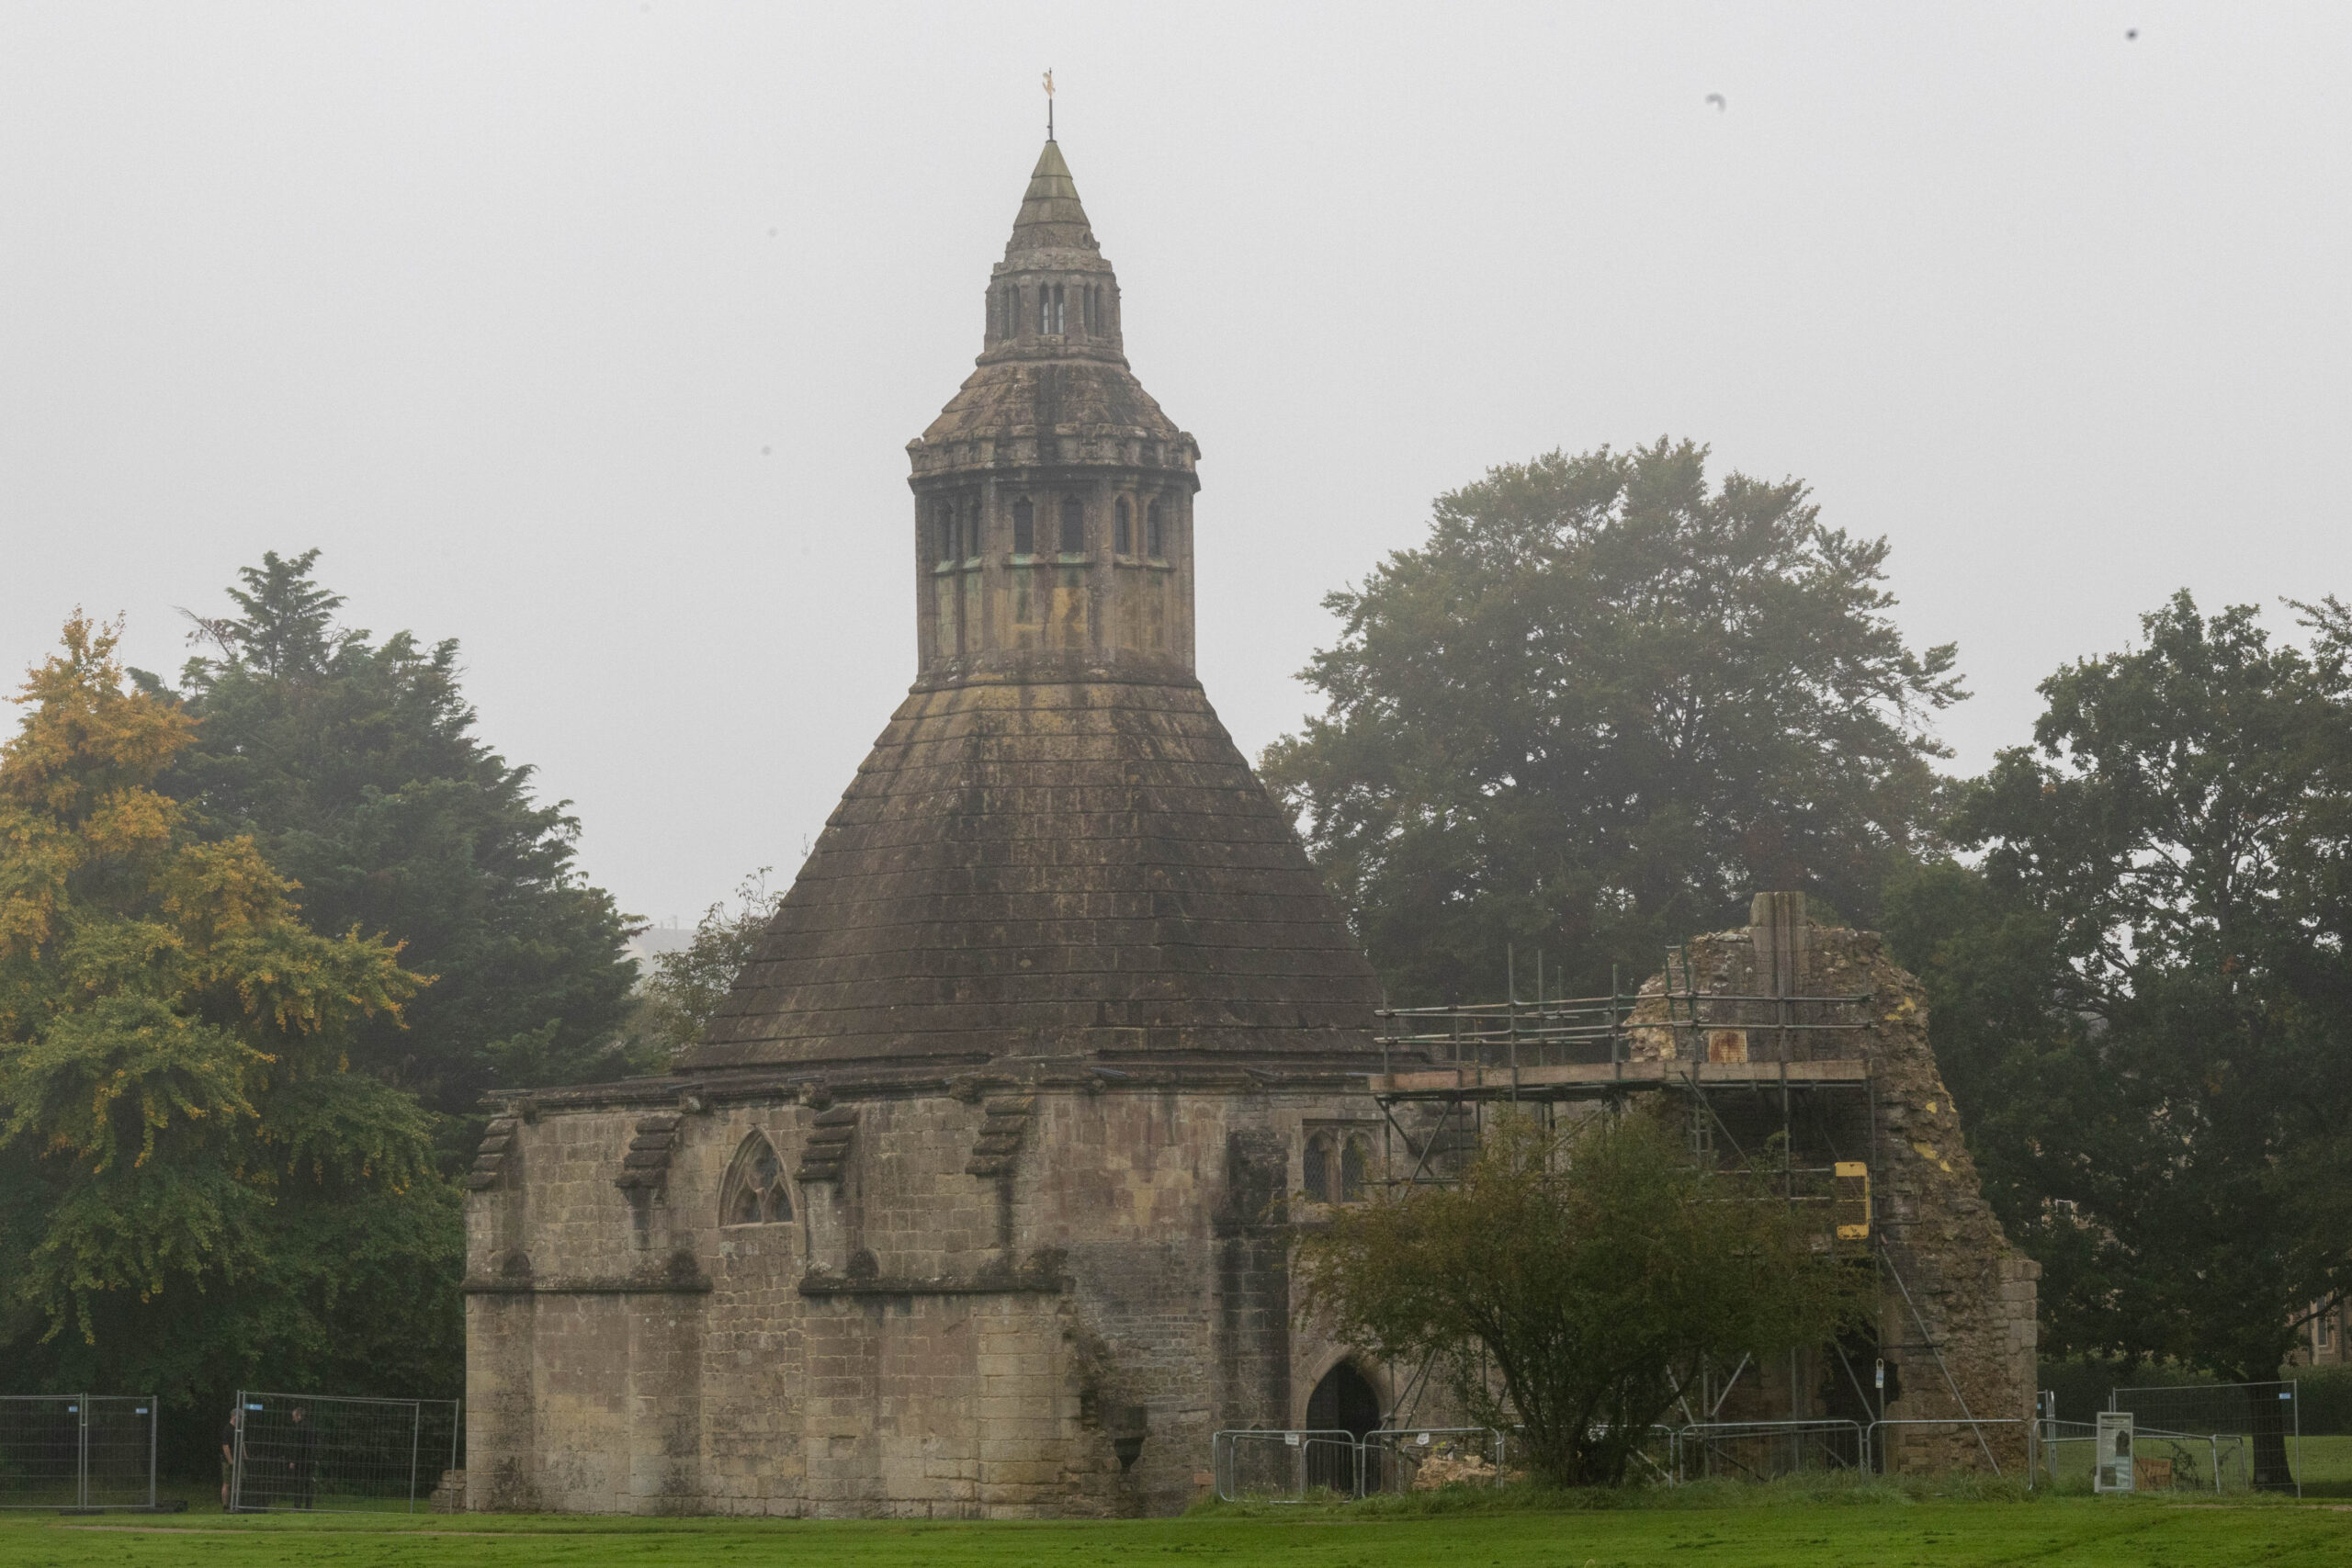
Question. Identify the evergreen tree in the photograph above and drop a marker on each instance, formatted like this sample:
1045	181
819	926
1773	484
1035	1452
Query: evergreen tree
355	766
193	1185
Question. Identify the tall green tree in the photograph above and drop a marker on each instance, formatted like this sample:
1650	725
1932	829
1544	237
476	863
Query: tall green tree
355	765
193	1184
2143	993
1596	709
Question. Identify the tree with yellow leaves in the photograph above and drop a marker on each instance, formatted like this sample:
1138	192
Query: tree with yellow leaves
193	1184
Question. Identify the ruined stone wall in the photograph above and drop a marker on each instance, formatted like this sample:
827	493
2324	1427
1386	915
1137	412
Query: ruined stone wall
983	1303
1949	1280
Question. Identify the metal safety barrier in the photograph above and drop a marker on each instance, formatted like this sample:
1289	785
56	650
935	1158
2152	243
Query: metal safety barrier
1287	1466
79	1451
2207	1459
1296	1465
323	1453
1760	1451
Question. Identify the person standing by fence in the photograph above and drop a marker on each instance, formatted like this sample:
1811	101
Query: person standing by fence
232	1432
301	1457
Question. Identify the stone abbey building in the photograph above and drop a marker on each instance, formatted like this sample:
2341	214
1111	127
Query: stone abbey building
972	1200
969	1202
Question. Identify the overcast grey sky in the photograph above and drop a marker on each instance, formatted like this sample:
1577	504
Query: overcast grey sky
591	334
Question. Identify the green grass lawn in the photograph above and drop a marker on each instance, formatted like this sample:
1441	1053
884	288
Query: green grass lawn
1715	1527
2327	1466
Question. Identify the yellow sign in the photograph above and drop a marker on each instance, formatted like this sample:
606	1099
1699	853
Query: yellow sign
1853	1199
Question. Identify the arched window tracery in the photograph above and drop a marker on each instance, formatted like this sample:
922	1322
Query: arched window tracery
1024	527
1123	534
1073	525
1339	1166
1319	1168
1154	540
754	1192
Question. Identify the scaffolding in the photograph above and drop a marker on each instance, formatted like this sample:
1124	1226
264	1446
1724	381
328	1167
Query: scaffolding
1758	1073
1734	1056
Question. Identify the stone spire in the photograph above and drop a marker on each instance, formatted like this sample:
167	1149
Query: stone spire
1051	218
1053	497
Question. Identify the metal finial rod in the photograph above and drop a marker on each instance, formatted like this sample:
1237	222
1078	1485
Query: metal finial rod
1049	102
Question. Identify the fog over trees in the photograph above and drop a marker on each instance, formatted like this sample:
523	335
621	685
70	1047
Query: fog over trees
270	929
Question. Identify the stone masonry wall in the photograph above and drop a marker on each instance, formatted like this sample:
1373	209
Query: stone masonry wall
982	1303
1950	1280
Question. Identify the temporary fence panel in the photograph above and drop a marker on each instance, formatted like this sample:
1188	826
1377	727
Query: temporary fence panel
335	1454
119	1452
1286	1466
77	1450
2065	1455
2180	1462
2266	1415
1422	1459
1758	1450
40	1451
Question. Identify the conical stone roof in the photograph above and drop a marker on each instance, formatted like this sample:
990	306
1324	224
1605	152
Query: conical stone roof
1054	852
1051	218
1037	871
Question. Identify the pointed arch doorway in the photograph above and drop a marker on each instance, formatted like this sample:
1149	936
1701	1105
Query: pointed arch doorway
1346	1402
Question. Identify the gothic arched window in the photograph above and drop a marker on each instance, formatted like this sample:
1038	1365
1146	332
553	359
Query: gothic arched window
754	1192
1153	541
1024	527
1319	1168
1073	525
1339	1166
971	527
944	524
1355	1160
1123	534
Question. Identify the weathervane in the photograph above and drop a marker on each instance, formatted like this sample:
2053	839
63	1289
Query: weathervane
1049	102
